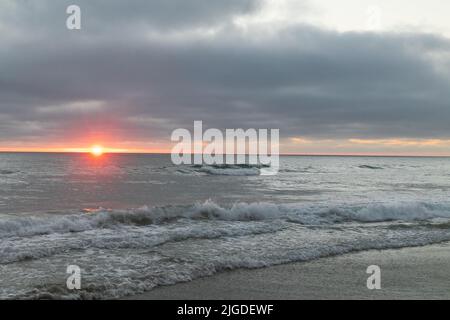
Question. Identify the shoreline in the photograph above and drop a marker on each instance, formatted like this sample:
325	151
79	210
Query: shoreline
407	273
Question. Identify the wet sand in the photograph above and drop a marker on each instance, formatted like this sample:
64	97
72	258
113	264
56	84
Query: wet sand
409	273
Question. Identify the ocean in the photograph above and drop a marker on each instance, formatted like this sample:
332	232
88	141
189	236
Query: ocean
134	222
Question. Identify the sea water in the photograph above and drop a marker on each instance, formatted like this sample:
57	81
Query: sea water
133	222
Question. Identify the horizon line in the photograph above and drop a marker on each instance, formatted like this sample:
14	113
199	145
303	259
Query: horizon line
281	154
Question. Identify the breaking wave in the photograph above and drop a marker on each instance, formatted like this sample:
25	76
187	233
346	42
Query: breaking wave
209	210
224	169
139	249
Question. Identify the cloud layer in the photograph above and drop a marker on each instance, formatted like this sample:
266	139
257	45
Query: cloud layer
136	71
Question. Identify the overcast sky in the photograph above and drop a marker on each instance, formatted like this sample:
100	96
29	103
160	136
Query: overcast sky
348	76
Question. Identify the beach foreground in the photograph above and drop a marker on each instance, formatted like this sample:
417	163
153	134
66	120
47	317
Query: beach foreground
409	273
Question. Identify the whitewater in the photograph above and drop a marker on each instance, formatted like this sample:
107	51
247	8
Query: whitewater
135	222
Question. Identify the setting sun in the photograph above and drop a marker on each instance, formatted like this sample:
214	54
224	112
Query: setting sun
97	150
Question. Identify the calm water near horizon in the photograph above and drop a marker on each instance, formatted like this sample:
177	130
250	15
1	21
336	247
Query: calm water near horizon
135	221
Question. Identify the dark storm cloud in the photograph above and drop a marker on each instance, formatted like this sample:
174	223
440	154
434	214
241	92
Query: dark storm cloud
152	66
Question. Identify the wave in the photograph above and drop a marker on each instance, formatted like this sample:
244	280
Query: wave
168	271
7	172
230	171
365	166
296	212
234	166
395	212
224	169
139	249
134	271
40	246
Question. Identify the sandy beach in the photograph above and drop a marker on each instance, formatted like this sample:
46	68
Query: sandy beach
409	273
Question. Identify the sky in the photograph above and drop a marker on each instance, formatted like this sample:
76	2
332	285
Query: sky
335	77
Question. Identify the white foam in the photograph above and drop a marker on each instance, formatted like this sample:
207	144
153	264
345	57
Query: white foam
392	212
126	237
230	171
130	251
222	170
299	213
124	271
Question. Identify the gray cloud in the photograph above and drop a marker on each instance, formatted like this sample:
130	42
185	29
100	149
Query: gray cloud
149	79
48	16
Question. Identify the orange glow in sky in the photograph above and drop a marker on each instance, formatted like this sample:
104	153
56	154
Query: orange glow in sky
99	146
